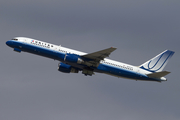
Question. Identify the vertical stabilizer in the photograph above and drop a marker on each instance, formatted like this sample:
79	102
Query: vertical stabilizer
157	63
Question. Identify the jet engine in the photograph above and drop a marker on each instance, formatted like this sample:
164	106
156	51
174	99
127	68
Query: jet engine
66	68
73	58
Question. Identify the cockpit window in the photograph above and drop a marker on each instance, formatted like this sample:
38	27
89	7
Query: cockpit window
15	39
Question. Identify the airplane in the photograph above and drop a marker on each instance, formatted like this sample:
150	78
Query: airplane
73	61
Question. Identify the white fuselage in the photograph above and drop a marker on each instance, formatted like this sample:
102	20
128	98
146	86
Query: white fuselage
58	52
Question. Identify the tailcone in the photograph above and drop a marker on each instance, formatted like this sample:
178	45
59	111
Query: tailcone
163	79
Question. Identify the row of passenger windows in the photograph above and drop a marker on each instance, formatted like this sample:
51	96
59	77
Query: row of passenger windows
128	67
66	51
63	51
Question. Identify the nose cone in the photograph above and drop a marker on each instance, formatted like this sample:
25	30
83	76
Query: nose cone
9	43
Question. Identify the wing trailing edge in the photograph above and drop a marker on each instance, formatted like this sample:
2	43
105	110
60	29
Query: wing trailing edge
93	59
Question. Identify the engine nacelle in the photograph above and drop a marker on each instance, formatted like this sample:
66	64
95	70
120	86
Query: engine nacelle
73	58
66	68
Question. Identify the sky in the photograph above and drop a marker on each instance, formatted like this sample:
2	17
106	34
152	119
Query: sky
31	87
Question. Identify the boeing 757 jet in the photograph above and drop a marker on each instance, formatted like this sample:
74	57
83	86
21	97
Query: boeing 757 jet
73	61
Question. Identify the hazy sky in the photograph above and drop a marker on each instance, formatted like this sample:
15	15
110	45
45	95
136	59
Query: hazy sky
31	88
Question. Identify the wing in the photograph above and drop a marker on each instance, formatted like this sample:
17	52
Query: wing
93	59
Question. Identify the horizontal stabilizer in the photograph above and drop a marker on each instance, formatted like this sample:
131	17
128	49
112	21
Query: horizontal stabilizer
158	74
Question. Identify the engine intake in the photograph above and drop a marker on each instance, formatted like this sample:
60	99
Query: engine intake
66	68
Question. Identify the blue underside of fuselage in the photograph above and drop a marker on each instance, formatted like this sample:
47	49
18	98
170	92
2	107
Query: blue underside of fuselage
57	55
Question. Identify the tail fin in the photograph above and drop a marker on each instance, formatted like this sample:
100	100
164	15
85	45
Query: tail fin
157	63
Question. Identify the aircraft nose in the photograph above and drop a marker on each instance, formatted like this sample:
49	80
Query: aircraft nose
9	43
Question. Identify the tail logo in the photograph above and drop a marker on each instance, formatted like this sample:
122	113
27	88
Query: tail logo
158	63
